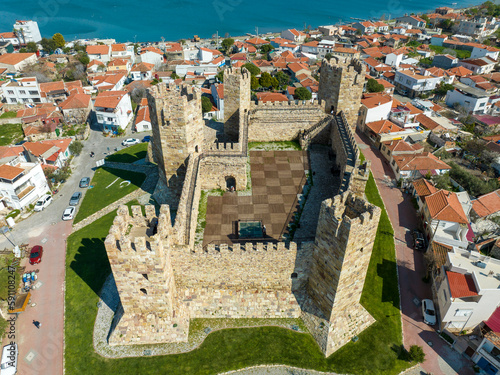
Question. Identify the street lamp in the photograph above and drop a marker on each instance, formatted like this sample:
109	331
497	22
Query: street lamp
4	230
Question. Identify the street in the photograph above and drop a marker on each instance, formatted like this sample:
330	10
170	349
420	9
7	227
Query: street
41	350
440	358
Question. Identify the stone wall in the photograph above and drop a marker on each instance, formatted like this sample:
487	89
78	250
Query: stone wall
215	169
236	99
344	241
282	121
341	86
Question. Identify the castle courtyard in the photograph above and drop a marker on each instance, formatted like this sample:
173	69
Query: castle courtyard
277	177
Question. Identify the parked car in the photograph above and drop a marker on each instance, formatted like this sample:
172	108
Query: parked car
43	202
418	240
75	198
9	359
84	182
130	141
428	312
36	254
146	138
69	213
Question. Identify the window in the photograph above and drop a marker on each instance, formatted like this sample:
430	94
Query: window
22	92
482	104
10	92
444	295
33	92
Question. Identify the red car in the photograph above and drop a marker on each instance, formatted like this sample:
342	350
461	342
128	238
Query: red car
36	254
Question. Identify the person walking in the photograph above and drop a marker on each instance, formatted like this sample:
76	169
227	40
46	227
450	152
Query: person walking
37	324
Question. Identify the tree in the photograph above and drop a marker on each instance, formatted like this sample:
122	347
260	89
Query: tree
442	89
59	40
32	47
425	18
227	44
206	104
76	148
220	76
83	58
373	86
416	354
328	56
174	75
254	70
275	83
23	50
48	45
301	93
283	79
266	48
137	94
254	83
265	80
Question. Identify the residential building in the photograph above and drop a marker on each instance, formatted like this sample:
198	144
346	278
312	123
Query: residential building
486	206
21	184
366	27
414	21
143	120
331	30
476	28
325	47
374	107
394	59
474	100
142	71
217	91
438	40
415	166
22	90
445	61
206	55
123	51
15	62
480	50
76	108
152	55
28	31
310	47
487	354
420	189
481	65
112	81
119	64
58	91
10	37
52	153
468	289
113	110
399	147
293	35
412	84
99	52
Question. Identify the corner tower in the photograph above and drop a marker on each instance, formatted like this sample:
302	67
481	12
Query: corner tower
344	241
177	123
341	84
236	99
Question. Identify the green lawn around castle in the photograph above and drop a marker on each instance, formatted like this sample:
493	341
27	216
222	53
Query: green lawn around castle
129	154
109	185
376	352
10	133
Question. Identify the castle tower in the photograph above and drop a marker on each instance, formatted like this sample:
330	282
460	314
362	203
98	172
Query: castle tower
144	278
177	122
341	86
344	241
236	99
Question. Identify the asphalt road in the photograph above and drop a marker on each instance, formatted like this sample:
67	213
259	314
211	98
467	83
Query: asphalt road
41	350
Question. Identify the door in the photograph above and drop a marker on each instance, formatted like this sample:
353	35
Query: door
487	367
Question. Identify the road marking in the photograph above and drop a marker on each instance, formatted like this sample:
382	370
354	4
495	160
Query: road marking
126	182
31	356
113	182
416	301
44	240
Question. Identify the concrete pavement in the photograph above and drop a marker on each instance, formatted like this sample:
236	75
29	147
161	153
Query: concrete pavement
41	350
440	358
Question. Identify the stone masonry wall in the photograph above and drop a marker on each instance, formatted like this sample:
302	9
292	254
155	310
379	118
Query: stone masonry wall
215	169
282	121
341	86
344	241
236	99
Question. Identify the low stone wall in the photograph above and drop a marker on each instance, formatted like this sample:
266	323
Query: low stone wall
215	169
282	122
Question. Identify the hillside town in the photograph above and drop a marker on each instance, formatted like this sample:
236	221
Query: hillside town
427	121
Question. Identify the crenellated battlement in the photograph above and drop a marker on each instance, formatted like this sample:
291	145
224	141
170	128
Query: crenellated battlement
290	104
351	209
240	248
241	72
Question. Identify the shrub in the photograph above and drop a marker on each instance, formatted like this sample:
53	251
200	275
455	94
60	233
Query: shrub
13	214
416	354
76	147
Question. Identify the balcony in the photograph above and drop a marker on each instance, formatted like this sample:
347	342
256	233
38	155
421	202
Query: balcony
495	361
25	192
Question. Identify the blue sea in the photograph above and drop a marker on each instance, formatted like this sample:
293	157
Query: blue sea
150	20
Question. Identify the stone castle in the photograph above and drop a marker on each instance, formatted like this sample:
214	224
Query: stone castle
164	279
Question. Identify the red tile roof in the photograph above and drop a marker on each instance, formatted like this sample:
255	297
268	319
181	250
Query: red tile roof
109	99
444	205
487	204
375	100
420	162
98	50
14	58
143	115
9	172
423	187
383	126
76	101
461	285
271	97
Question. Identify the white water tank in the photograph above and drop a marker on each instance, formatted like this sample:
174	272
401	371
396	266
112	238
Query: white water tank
10	222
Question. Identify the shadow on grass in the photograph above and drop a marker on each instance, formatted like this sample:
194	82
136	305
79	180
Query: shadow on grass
387	272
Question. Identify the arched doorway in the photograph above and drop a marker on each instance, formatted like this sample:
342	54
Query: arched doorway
230	183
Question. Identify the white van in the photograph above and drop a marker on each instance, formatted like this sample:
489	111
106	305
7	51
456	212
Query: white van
9	360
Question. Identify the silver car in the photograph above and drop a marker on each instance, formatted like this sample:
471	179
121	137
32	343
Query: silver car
69	213
75	198
428	312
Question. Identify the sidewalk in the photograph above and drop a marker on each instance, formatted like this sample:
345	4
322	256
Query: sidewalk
440	358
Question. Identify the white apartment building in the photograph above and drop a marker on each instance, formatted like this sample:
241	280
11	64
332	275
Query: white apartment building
113	110
468	289
412	84
22	90
474	100
28	31
21	184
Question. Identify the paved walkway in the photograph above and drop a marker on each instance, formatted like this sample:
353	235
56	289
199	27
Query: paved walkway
440	358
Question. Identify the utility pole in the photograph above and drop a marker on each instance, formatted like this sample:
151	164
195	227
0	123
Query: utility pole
257	31
217	40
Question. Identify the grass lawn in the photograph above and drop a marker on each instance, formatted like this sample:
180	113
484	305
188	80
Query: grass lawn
129	154
285	145
10	134
8	114
108	187
376	351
